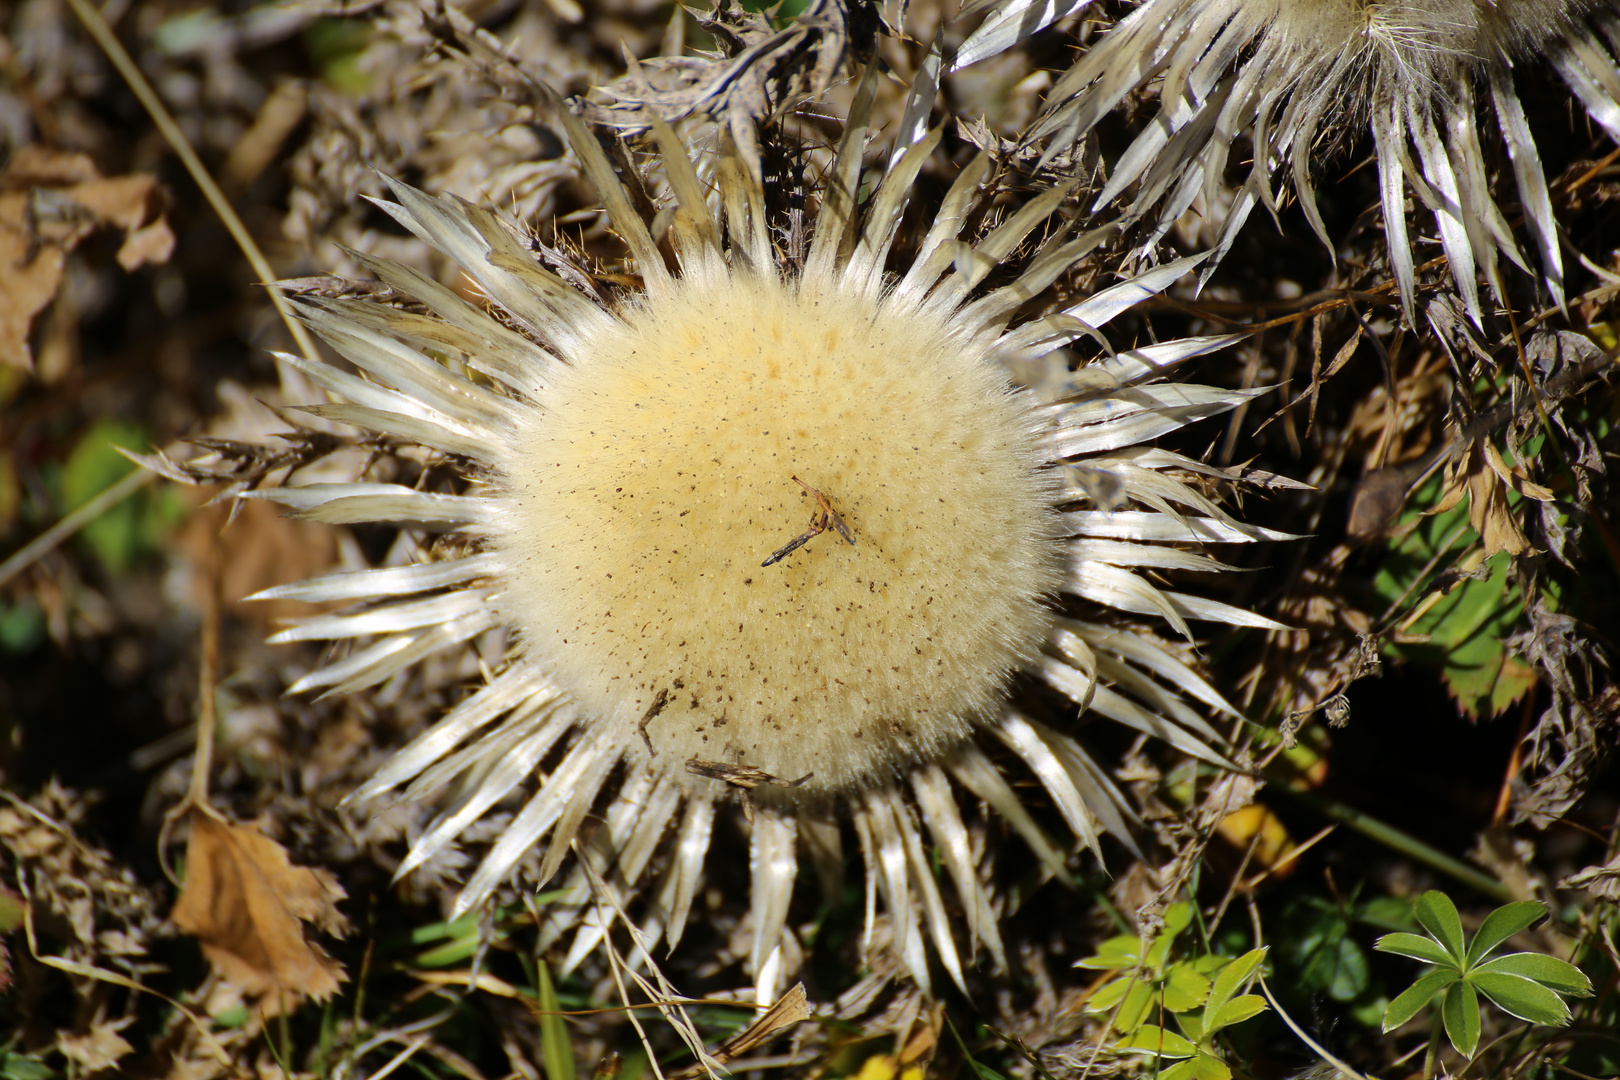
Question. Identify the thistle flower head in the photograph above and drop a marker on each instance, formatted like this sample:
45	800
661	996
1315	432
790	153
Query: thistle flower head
772	522
719	422
1297	75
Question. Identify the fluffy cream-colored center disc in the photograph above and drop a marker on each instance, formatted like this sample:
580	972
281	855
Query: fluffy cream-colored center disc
660	471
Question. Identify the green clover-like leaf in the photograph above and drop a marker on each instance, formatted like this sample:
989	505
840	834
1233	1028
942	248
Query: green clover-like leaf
1438	915
1106	996
1412	1000
1135	1000
1115	954
1549	971
1502	924
1184	988
1417	947
1236	1011
1155	1040
1522	997
1192	1024
1460	1011
1200	1066
1228	982
1177	917
1337	965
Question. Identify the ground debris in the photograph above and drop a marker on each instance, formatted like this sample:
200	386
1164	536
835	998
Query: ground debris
50	201
245	901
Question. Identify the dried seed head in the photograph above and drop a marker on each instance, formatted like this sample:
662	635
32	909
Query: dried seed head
1301	76
852	429
650	483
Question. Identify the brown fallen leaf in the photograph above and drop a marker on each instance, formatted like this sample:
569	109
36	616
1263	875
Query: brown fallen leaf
245	901
50	200
1483	475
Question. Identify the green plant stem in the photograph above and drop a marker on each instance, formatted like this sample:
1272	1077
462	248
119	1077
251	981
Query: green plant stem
1396	840
1433	1051
99	504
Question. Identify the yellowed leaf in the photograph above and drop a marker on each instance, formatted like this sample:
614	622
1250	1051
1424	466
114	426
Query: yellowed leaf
1256	829
1488	510
1515	477
1456	487
1481	473
246	903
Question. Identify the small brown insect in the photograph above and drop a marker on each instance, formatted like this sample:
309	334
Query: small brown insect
653	710
746	777
826	518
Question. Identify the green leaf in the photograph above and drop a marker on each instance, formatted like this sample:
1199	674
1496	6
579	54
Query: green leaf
1141	1003
1412	1000
1369	1013
1385	913
556	1051
17	1067
1549	971
124	532
1481	675
1463	633
1134	997
1521	997
983	1072
233	1018
1417	947
21	627
1176	919
1184	988
1460	1011
1115	953
1438	915
1236	1011
1106	996
1332	963
1228	982
1502	924
91	467
1155	1040
1200	1066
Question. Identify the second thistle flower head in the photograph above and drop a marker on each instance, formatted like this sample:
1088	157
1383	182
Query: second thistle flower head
1299	76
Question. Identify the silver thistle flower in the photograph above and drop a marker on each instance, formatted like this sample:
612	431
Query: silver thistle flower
1293	74
637	474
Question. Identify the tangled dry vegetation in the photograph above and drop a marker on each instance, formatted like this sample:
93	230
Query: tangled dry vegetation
1440	714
